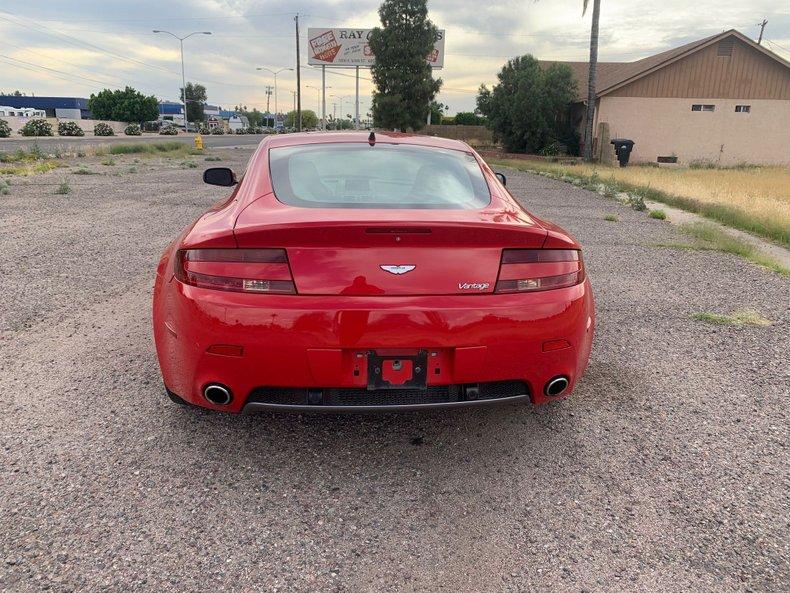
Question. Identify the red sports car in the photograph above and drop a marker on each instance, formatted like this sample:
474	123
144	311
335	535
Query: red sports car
356	271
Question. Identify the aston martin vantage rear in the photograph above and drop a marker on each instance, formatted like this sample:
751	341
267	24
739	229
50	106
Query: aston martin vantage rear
351	271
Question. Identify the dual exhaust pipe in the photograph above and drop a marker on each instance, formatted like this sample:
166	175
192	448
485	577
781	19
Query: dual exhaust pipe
219	395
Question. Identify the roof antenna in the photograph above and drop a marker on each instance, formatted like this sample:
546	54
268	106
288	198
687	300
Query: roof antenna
372	139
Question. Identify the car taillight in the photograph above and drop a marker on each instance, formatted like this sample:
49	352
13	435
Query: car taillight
531	270
239	270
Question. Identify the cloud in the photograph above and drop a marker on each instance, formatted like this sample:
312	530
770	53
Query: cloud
112	42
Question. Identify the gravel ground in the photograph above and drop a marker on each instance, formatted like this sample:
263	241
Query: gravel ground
666	471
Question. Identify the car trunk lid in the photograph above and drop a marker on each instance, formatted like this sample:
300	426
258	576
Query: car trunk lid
388	258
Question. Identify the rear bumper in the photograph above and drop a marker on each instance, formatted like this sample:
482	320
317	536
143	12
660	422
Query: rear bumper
252	407
301	342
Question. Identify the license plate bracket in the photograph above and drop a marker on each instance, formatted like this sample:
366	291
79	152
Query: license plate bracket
401	371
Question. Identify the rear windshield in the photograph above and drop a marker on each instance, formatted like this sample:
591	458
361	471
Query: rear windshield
345	175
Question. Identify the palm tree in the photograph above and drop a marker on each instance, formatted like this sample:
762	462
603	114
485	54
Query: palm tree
591	78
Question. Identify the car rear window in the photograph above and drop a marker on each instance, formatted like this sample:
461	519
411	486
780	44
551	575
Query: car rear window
351	175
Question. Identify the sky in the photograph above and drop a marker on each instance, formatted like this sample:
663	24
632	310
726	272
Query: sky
79	47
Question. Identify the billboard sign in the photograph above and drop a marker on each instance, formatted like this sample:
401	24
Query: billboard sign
346	48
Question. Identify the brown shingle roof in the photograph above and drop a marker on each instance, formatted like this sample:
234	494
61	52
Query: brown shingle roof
613	74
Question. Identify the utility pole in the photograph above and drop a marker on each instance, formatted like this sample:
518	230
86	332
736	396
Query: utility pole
298	80
762	28
268	98
268	88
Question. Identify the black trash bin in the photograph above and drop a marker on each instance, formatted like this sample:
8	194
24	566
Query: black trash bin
623	148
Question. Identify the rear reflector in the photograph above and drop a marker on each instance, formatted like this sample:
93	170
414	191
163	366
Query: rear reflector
532	270
225	350
238	270
553	345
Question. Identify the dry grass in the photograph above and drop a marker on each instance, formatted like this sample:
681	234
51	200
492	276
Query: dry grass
755	199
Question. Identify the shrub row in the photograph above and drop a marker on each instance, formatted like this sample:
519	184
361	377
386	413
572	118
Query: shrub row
41	127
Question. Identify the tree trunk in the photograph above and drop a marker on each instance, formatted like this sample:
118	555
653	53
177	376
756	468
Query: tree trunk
591	81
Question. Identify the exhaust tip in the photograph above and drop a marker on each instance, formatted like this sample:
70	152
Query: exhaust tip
217	394
556	386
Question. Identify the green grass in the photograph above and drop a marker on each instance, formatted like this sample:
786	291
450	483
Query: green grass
708	237
5	188
83	170
63	189
739	317
773	228
132	169
611	217
143	148
189	165
108	162
30	168
658	214
34	153
213	158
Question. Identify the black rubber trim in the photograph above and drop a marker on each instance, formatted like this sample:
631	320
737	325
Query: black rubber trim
252	407
176	398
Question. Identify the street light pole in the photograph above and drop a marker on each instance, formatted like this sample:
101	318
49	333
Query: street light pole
275	72
321	108
183	78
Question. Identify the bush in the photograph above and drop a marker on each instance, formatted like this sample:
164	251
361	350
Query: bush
240	131
468	118
218	131
658	214
103	129
133	130
5	129
69	128
168	131
552	149
37	127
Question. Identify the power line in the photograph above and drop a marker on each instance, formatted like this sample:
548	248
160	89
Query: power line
775	44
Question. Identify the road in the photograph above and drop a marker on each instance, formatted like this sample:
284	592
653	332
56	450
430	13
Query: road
665	471
64	141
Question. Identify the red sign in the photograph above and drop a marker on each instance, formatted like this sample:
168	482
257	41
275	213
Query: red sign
325	47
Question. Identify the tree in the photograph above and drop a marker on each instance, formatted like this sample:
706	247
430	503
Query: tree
437	111
589	116
255	117
529	108
309	119
196	101
127	105
468	118
404	84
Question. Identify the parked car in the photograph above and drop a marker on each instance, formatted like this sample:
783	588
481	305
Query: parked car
369	271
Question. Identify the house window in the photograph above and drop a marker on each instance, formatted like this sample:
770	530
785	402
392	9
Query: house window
743	108
697	107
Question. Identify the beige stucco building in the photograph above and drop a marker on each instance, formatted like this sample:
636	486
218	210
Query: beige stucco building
723	99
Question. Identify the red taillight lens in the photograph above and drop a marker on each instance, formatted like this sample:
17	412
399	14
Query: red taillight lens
531	270
238	270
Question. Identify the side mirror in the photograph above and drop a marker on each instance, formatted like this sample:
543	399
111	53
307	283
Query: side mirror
219	176
501	178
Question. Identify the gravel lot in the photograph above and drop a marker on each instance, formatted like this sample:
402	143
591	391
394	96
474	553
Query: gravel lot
666	471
